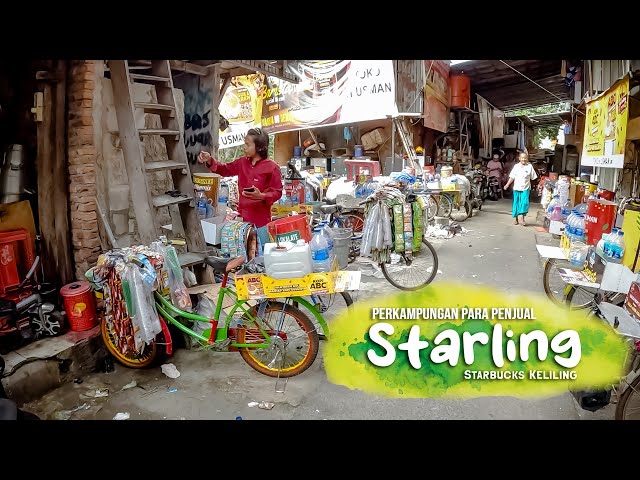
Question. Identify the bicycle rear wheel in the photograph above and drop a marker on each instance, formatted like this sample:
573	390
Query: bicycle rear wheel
445	206
297	337
414	273
431	209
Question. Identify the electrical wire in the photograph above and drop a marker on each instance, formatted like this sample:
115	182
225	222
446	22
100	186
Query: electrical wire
540	86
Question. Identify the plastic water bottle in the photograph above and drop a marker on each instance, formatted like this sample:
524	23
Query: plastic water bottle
566	209
201	205
606	248
223	198
320	252
308	193
568	227
579	231
616	247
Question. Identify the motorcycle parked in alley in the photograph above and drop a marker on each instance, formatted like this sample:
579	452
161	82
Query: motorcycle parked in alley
479	190
494	188
31	314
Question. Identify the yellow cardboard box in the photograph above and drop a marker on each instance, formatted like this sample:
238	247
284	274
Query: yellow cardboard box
631	229
253	287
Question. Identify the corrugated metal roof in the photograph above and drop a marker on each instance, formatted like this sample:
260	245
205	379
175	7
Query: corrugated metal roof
506	89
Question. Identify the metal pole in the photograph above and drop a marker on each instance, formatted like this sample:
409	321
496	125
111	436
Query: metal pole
393	144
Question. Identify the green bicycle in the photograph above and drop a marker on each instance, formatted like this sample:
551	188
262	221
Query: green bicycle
274	338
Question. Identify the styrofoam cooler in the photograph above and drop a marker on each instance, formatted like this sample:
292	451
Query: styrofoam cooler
600	217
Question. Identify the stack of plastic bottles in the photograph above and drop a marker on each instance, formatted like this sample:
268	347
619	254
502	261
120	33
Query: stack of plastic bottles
574	227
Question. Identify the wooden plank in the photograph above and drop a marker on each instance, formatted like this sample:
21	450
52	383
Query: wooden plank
45	161
160	131
156	108
62	250
144	78
131	148
166	200
187	67
190	259
166	165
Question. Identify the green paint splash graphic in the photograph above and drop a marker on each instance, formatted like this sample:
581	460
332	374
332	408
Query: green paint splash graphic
603	351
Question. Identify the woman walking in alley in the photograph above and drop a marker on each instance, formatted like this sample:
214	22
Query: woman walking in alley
521	176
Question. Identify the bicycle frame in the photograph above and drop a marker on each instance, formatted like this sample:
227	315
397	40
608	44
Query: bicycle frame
166	309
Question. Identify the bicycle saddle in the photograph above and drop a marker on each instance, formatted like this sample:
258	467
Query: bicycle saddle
223	264
329	208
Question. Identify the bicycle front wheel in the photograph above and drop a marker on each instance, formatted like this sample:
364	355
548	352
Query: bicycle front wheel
295	341
554	286
414	273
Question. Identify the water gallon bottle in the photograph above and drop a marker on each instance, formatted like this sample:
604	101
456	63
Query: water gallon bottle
556	215
201	205
223	198
554	201
328	235
320	252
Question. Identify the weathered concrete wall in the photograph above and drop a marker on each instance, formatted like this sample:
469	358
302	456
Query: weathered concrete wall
114	181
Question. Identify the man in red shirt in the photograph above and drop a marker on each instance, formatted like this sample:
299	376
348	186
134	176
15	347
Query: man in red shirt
259	180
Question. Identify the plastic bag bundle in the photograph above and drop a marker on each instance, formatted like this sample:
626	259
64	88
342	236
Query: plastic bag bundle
179	295
140	307
377	238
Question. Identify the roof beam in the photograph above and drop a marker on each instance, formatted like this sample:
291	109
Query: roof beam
187	67
266	68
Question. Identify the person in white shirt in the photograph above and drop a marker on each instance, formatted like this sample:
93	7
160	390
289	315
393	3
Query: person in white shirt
521	176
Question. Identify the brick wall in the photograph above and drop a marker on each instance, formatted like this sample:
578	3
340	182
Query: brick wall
82	165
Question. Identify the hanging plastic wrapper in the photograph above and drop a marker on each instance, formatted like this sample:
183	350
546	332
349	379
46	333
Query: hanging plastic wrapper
179	295
138	295
175	281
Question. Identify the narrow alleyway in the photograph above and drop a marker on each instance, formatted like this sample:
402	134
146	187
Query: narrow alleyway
220	385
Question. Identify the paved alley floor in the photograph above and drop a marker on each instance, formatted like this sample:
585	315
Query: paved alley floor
220	385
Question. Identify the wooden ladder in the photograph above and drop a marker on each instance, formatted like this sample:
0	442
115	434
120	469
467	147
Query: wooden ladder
184	220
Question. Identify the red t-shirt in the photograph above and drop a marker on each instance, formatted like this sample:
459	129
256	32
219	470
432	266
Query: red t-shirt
265	175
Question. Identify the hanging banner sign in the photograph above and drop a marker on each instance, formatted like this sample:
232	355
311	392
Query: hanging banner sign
330	92
241	105
605	128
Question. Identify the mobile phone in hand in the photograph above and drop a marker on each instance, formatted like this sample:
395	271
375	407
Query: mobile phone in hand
248	190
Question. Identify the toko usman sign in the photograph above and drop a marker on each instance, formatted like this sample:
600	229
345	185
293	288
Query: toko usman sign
605	128
329	92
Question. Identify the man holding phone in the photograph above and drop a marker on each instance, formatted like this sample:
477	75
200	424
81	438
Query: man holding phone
259	180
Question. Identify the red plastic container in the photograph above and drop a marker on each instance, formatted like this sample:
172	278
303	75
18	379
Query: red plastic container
16	258
600	217
79	303
356	167
290	229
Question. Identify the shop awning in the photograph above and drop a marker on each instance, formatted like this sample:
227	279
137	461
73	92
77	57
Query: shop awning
507	89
